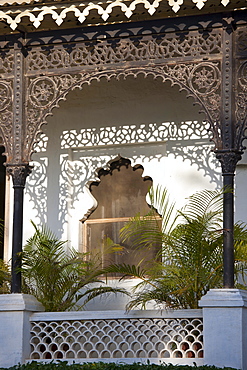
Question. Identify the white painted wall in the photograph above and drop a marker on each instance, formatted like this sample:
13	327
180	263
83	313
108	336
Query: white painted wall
73	147
99	122
240	180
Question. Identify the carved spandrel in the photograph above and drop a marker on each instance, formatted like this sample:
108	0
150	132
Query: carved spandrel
6	116
6	62
241	105
241	41
200	80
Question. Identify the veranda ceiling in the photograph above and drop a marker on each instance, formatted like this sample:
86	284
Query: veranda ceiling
43	14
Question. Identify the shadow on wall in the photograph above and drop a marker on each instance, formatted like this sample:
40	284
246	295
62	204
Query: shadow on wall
143	119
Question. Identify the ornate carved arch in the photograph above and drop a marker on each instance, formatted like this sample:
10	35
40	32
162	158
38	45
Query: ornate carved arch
204	56
200	80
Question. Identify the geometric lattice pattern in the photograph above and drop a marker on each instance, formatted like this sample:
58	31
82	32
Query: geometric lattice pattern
117	338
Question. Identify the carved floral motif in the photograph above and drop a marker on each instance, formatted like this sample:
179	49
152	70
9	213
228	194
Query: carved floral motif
241	105
241	43
6	115
5	95
42	92
205	79
174	57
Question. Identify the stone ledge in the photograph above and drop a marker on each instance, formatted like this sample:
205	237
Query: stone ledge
224	298
19	302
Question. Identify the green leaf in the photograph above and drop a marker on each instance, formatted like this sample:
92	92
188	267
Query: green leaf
56	276
191	241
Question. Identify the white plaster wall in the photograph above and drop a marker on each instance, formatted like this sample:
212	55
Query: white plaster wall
72	147
241	176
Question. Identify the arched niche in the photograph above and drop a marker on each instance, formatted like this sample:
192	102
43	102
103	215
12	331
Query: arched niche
144	119
120	194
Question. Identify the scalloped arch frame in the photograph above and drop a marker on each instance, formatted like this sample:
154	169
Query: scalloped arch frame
156	72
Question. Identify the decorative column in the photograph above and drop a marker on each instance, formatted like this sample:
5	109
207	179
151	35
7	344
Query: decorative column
17	164
227	150
19	173
228	160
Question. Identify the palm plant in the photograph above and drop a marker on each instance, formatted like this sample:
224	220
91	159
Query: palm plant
59	278
4	277
191	259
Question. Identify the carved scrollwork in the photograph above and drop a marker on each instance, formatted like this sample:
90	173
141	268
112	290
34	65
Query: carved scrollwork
242	76
241	105
5	95
42	92
168	55
241	93
142	48
6	114
241	41
199	80
205	78
6	62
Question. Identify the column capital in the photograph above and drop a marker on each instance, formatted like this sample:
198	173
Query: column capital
228	159
19	173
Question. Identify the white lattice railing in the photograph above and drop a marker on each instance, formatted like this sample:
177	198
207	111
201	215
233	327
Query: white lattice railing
161	336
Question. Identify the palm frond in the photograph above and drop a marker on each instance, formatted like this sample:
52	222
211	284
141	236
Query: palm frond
5	277
148	231
125	270
192	248
92	293
55	276
204	202
160	201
